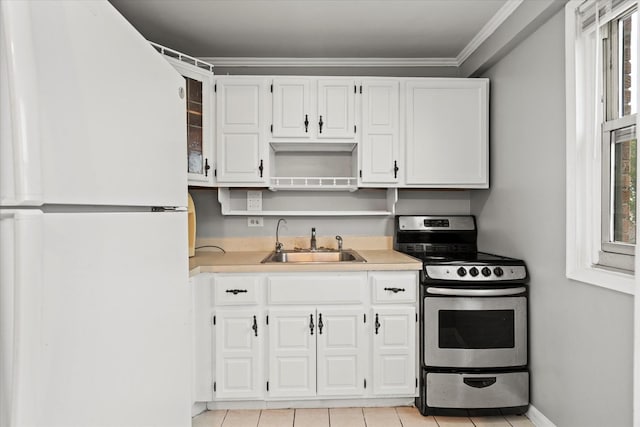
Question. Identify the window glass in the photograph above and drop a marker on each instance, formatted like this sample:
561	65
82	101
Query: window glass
623	185
627	27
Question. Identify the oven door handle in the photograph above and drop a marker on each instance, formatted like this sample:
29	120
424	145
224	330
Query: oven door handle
454	292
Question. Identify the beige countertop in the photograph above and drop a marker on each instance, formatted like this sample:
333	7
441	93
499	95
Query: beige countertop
249	262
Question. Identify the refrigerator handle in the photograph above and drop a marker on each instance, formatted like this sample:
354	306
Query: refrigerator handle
20	313
22	83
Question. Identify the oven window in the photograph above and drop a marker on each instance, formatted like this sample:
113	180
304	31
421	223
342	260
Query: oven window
476	329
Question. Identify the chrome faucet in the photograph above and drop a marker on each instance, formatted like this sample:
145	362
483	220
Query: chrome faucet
339	239
314	246
278	244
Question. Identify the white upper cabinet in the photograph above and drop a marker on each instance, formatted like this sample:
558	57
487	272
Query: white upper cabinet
447	129
314	109
241	123
336	108
292	108
380	145
199	117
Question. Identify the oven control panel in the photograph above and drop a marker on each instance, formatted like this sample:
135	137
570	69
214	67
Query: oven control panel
476	273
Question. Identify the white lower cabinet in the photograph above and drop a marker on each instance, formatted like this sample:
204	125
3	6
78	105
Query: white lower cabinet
394	350
292	352
304	336
238	353
316	351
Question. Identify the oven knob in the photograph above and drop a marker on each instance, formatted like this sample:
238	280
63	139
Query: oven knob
486	272
462	272
473	271
498	271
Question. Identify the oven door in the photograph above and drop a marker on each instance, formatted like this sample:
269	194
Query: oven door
474	331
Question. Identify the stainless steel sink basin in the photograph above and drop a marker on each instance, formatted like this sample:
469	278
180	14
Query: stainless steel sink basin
313	257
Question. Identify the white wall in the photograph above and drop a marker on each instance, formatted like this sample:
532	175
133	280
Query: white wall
211	223
581	335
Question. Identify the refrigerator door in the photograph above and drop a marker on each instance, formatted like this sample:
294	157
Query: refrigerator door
20	305
107	109
113	345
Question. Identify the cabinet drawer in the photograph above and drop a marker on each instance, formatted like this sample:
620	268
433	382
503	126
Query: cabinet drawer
394	287
237	289
316	288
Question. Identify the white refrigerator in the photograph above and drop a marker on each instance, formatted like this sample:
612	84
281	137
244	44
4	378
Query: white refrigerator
94	298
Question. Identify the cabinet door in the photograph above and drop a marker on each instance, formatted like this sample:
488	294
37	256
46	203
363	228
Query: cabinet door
292	352
238	350
394	348
240	130
292	115
199	116
341	352
336	109
447	132
379	147
202	343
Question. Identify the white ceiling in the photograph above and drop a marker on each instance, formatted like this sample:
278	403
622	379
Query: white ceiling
411	29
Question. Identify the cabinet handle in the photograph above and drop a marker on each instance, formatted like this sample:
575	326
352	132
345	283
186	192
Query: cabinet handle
320	324
377	324
261	168
206	167
395	168
311	323
479	382
255	326
306	123
394	290
320	123
236	291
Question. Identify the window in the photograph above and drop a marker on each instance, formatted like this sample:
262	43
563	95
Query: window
602	101
619	95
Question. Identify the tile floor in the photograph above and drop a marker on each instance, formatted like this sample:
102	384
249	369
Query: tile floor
401	416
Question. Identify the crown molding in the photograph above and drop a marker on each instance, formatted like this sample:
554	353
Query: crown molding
330	62
485	32
489	28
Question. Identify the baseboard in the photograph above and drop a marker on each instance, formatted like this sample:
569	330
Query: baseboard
312	403
197	408
537	418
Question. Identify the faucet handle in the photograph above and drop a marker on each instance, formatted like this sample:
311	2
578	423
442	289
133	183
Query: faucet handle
279	247
339	239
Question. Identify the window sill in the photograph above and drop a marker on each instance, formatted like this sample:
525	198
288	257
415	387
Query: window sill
605	278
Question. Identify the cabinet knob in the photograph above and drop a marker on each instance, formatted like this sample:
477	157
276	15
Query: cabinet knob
377	324
206	167
395	168
261	167
311	325
394	290
320	123
306	123
320	324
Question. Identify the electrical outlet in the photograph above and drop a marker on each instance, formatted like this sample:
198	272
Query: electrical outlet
255	221
254	200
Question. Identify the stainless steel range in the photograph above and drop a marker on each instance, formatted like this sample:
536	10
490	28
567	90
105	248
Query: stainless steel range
473	310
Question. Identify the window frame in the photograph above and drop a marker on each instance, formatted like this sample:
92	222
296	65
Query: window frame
584	149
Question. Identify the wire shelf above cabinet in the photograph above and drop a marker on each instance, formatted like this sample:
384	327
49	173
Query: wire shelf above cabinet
325	183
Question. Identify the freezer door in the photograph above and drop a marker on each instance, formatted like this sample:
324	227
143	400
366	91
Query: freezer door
114	339
108	109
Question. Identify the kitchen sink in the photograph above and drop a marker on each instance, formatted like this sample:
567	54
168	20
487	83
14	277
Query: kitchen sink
313	256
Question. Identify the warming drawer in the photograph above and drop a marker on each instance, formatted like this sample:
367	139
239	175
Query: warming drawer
472	391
